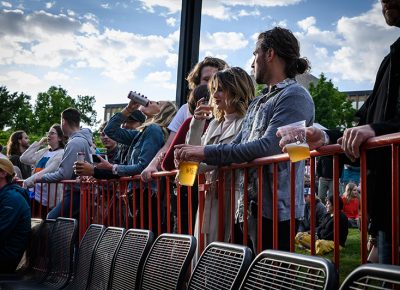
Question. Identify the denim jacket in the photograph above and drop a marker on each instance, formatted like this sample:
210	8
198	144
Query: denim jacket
144	145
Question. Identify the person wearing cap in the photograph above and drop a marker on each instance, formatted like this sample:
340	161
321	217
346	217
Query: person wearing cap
320	212
15	219
135	120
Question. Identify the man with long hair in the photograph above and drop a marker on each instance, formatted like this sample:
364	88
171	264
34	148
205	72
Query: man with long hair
16	145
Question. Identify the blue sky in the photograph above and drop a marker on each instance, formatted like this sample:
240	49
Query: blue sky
107	48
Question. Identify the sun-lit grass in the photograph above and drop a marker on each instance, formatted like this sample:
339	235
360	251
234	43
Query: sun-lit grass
350	257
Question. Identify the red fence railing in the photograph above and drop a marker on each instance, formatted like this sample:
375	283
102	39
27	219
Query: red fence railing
164	206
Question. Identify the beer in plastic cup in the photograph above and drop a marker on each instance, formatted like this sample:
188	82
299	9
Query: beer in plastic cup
298	152
294	136
187	172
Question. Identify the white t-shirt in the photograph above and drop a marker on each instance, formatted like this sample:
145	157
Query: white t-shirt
182	114
39	189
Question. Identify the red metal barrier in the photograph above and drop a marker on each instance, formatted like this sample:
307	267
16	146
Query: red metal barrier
128	202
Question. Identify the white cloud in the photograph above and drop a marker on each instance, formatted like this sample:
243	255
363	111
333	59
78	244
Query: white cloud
6	4
21	78
219	9
223	41
281	23
71	12
171	21
172	60
47	40
217	55
50	4
352	50
55	76
161	79
106	6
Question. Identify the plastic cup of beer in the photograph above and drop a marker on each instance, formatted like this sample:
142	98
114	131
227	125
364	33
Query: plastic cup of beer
294	136
187	172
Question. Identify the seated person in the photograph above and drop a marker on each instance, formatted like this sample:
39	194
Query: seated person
15	219
351	204
320	212
325	232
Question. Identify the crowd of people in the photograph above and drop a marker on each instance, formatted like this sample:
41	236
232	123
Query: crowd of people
224	122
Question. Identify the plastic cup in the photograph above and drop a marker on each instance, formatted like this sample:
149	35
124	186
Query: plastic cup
294	136
187	172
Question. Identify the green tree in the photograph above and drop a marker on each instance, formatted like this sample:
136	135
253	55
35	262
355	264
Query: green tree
17	110
50	104
332	109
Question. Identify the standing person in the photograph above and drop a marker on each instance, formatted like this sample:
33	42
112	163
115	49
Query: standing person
45	160
16	145
231	91
325	177
351	204
79	140
276	63
379	115
199	75
15	219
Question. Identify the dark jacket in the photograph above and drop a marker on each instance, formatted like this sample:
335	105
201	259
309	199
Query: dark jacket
325	230
325	167
383	114
320	212
15	225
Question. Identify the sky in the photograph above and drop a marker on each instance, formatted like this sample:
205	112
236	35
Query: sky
106	48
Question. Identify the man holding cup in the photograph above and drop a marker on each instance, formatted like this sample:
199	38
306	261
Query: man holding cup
276	63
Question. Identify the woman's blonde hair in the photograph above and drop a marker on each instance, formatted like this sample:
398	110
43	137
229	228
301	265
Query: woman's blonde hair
348	192
239	86
163	118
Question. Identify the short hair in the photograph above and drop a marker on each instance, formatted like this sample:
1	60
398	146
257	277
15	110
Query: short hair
287	47
194	76
239	87
103	126
72	116
200	92
330	198
12	144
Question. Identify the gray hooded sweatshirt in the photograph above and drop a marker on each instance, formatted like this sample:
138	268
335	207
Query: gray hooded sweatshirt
80	141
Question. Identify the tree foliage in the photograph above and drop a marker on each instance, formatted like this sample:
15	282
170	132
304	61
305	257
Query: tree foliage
46	110
332	109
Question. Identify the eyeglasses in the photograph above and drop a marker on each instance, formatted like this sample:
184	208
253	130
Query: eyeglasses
50	133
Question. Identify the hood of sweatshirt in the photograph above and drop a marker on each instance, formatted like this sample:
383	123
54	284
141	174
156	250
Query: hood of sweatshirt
85	133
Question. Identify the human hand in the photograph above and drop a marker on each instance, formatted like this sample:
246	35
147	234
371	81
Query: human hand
184	152
83	169
202	110
104	164
353	138
315	138
147	172
43	140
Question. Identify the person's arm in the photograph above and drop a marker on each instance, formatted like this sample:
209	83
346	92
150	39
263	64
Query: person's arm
118	134
33	153
153	140
195	132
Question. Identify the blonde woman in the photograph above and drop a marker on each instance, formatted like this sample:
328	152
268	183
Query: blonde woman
231	91
351	204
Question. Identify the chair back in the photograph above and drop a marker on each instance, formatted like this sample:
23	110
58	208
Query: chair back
221	266
40	254
168	261
85	256
62	242
103	257
129	259
373	276
283	270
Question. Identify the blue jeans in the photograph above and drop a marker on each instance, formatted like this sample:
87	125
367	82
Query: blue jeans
63	208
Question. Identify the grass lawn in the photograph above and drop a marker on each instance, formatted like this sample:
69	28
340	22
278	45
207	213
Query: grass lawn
350	257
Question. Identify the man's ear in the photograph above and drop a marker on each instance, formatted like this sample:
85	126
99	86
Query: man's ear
269	54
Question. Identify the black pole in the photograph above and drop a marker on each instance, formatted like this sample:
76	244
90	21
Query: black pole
188	45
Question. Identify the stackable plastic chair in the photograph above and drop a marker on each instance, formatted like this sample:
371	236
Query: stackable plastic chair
85	256
129	259
103	257
62	242
283	270
221	266
168	262
373	276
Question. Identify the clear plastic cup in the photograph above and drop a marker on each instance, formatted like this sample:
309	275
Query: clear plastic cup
187	172
294	136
